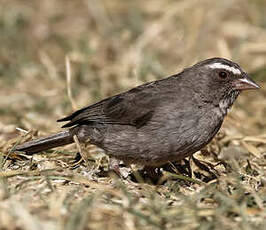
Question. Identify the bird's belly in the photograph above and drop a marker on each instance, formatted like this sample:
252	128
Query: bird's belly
156	146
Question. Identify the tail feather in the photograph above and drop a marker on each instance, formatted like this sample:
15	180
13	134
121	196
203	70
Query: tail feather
45	143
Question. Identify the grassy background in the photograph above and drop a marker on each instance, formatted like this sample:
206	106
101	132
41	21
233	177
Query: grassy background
113	46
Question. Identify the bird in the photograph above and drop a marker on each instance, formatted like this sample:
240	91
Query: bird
157	122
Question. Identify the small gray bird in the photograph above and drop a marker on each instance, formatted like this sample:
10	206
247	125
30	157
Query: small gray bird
157	122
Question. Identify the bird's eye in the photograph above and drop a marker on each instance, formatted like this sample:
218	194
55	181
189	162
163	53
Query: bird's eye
223	74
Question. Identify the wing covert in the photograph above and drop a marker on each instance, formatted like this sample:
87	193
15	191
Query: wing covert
134	107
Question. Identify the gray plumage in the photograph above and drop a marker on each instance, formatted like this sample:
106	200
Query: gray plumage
160	121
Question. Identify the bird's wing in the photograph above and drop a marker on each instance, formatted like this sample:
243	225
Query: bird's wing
134	107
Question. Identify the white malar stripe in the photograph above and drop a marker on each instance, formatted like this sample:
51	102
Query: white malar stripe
218	65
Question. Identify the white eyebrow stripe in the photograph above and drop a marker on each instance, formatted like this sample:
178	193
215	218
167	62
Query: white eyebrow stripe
218	65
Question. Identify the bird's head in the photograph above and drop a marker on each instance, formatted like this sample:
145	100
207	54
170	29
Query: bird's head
221	79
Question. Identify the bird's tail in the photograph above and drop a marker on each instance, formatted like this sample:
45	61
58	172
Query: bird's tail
45	143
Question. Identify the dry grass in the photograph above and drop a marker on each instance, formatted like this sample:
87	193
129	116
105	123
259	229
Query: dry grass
112	46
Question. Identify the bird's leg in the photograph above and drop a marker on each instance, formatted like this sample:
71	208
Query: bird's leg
115	167
188	165
153	173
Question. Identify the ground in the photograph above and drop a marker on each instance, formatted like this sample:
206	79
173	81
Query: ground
105	47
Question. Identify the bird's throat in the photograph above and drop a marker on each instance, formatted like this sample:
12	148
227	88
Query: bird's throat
226	103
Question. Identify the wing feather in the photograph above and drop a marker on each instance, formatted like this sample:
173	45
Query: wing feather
134	107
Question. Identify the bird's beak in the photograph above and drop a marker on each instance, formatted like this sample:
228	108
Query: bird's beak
245	83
